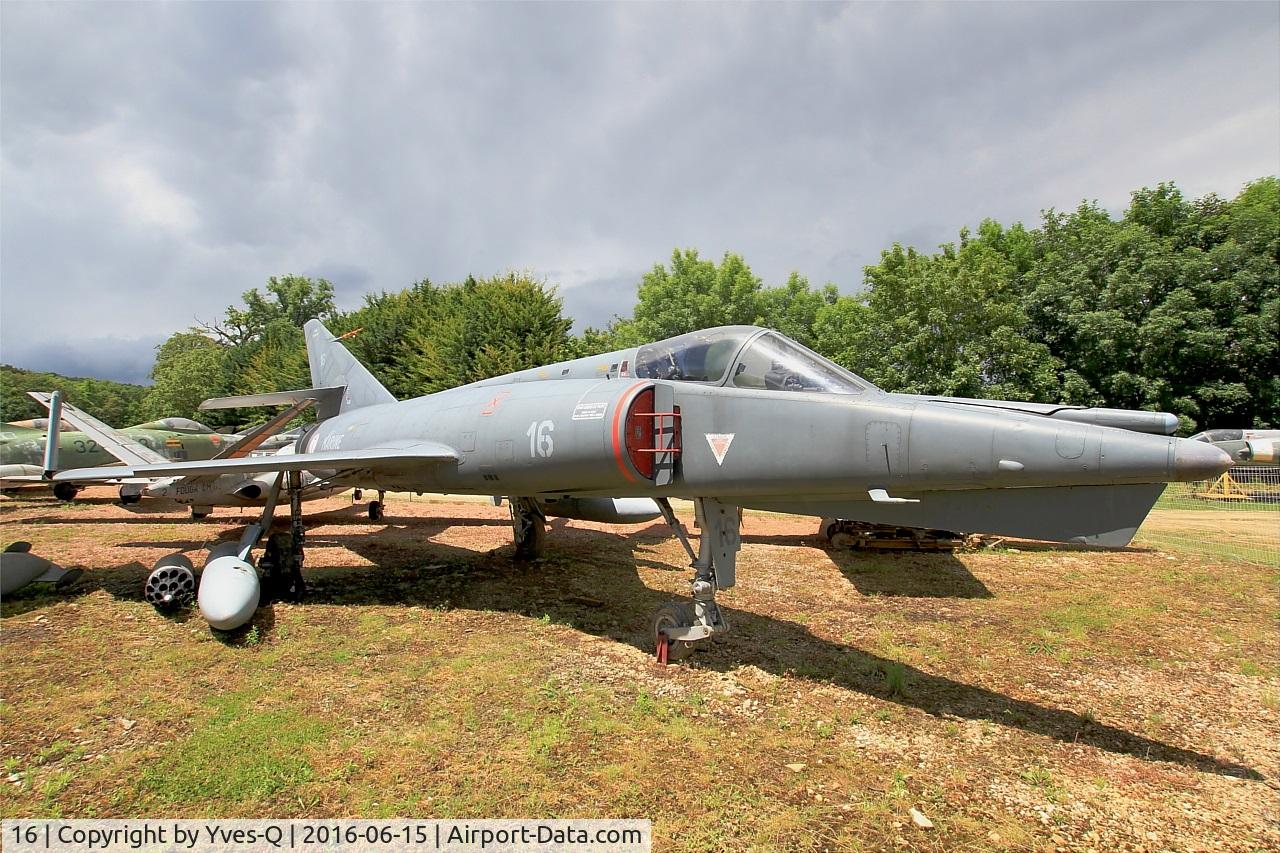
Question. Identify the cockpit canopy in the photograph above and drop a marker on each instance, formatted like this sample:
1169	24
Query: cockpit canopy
745	357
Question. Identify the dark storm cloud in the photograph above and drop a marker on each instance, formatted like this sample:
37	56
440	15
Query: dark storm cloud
108	357
159	159
597	302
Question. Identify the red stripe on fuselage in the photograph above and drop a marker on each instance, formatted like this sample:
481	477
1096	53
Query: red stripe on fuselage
623	402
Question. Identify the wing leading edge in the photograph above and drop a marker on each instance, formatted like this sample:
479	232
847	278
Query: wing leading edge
375	458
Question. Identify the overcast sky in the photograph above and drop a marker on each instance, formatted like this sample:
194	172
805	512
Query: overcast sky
159	159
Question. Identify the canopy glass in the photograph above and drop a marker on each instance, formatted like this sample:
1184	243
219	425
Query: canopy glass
746	357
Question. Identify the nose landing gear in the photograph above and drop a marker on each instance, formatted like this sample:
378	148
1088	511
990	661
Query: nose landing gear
680	628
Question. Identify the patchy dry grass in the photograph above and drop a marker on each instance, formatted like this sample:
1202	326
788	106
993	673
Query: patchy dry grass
1022	698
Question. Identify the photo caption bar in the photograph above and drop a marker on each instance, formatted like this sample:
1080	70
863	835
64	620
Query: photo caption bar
251	836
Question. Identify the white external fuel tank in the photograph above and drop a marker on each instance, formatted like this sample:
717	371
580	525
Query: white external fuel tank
229	588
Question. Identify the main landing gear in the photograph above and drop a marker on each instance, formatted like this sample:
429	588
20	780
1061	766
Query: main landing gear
680	628
281	563
377	507
530	528
65	491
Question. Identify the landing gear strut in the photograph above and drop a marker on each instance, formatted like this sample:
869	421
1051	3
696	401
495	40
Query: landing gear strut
281	569
680	628
530	527
281	562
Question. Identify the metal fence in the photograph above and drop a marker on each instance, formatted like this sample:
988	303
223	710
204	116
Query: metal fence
1236	516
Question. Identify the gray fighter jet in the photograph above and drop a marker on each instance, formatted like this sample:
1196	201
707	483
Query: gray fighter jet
731	417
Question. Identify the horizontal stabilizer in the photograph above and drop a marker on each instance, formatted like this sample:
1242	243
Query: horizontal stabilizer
321	396
374	458
254	439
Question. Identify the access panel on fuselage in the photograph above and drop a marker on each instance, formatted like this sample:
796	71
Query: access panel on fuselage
738	441
533	438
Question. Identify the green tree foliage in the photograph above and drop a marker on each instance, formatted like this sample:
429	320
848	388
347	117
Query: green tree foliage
592	341
383	342
276	360
838	332
793	309
115	403
267	350
485	328
951	323
694	294
1174	306
290	300
190	367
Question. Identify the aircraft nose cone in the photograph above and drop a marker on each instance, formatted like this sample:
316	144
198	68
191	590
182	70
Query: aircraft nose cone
1198	460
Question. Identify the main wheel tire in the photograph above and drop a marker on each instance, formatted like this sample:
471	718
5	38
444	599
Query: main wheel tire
844	539
673	616
375	510
65	491
129	498
274	566
198	514
532	545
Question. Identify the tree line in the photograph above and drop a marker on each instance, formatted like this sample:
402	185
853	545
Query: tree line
1174	305
117	403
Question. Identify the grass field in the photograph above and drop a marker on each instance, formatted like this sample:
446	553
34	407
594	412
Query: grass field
1026	698
1186	520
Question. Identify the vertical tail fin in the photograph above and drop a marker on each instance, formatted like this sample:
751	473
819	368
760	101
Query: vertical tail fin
332	364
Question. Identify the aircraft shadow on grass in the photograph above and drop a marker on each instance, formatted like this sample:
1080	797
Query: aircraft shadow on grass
587	583
915	575
619	606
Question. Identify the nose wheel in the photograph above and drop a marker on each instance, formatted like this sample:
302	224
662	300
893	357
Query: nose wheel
670	620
